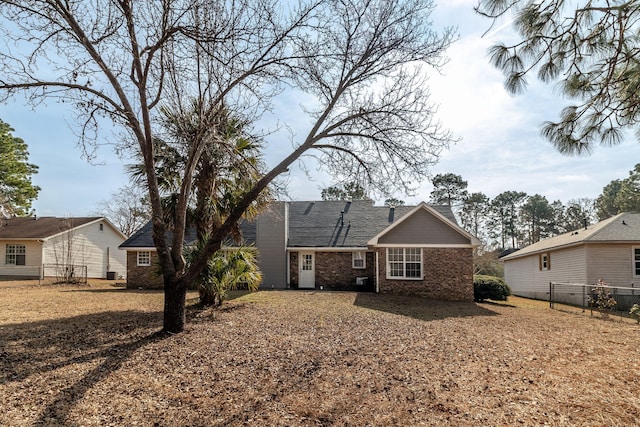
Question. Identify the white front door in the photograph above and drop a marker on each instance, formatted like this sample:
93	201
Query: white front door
307	271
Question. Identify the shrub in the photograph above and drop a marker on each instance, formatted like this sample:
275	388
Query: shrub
225	271
602	299
635	312
489	287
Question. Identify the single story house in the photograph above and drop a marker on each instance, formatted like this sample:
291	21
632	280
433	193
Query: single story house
346	245
608	251
37	247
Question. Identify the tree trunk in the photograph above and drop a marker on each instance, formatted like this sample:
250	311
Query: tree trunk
174	306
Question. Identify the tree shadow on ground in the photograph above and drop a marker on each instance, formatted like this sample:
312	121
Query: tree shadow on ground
421	308
39	348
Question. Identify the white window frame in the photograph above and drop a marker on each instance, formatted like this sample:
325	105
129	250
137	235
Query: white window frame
359	260
143	258
13	251
544	261
635	261
401	263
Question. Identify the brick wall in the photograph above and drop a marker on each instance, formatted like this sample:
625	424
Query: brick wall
448	275
143	277
334	271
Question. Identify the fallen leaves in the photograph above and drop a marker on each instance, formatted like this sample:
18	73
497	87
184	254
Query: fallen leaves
310	358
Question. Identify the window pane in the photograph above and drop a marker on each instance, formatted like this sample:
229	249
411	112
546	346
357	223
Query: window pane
307	262
144	258
413	254
395	255
413	270
396	269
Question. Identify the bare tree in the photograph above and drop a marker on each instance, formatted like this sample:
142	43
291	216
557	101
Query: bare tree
127	208
125	61
69	254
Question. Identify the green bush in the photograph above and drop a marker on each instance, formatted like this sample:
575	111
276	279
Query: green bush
489	287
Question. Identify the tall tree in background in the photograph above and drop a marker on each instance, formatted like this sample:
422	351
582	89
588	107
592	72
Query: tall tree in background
359	60
347	191
17	192
620	195
537	218
590	48
504	217
606	203
392	201
628	196
577	212
449	189
127	208
475	209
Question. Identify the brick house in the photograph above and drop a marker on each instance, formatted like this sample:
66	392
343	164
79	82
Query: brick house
347	245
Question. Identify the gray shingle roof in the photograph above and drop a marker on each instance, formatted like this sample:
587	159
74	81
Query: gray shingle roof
621	228
317	224
343	223
143	238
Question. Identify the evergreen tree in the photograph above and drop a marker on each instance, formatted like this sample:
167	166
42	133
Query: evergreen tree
17	192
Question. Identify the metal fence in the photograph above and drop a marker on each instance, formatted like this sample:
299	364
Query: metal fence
582	295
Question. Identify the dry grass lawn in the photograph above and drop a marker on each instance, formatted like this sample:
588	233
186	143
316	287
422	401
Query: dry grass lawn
89	356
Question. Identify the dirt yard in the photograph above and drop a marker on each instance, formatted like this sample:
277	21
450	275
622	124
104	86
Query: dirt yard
90	356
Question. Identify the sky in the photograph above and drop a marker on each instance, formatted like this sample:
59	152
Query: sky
500	147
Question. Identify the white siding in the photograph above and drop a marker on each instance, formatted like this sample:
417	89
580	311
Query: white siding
524	277
33	259
90	246
614	264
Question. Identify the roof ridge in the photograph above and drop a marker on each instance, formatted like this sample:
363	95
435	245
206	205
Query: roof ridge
605	223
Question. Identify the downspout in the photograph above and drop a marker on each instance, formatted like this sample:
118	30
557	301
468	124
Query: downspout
377	273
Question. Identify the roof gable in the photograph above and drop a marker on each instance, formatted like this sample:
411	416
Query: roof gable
32	228
324	224
621	228
424	225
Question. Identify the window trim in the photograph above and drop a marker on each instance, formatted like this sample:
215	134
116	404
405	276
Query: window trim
359	256
635	263
405	263
140	261
544	261
16	252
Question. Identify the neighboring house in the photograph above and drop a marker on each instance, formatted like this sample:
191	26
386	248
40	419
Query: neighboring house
608	250
346	245
32	248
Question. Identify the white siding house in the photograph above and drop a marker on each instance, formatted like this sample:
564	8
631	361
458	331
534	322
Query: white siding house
30	247
608	250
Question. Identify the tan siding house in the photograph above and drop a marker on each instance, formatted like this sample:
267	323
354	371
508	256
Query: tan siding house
608	250
33	247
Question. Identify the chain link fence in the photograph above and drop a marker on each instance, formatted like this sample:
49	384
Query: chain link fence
617	300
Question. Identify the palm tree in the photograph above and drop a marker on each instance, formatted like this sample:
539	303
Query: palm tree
225	271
